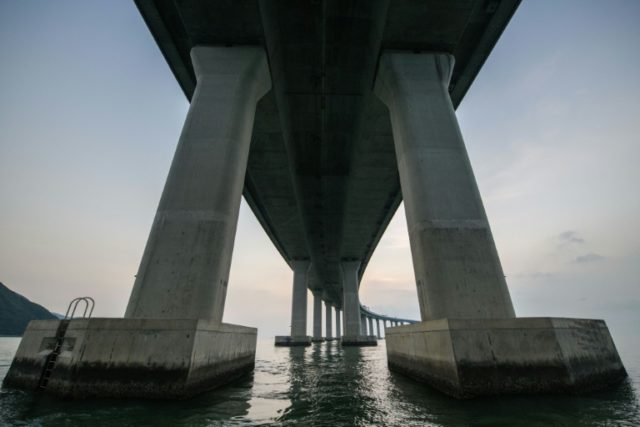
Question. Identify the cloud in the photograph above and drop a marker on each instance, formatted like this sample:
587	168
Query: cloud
535	275
570	236
588	258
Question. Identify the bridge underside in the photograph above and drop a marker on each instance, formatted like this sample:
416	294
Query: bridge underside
322	175
321	113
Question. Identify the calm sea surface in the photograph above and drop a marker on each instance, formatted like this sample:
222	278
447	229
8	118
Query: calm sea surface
326	385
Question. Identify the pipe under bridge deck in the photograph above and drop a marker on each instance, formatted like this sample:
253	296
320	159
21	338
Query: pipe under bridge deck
325	115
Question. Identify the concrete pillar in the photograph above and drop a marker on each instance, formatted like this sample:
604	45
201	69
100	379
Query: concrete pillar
378	328
363	322
185	266
456	265
299	299
317	316
351	302
338	326
328	323
371	326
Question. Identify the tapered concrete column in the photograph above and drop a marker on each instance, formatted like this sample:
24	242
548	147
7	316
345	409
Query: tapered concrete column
328	323
378	328
299	299
338	325
363	322
351	301
353	334
172	335
185	267
371	326
317	316
456	265
298	335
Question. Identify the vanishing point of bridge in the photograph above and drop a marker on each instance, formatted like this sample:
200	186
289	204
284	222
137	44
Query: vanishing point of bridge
325	115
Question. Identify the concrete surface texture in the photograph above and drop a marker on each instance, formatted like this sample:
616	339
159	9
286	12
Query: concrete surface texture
317	317
185	267
328	321
350	300
457	269
298	335
299	299
149	358
468	358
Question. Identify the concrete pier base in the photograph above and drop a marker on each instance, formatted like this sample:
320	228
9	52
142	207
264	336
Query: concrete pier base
468	358
358	340
289	341
147	358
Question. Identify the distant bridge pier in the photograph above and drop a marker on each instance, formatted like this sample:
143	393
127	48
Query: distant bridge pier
468	320
353	334
317	317
298	335
378	328
172	342
338	325
328	321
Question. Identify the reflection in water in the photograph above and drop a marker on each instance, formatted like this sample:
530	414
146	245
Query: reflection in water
325	384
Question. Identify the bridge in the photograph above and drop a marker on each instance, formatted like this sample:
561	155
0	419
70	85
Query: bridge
324	115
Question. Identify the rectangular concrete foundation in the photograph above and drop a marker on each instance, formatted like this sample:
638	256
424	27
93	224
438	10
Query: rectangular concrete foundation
359	341
467	358
148	358
289	341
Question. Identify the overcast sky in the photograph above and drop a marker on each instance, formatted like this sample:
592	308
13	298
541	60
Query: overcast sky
90	115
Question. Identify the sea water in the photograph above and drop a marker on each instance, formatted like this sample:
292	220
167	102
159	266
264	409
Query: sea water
326	385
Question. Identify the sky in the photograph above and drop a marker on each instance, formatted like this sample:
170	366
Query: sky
90	115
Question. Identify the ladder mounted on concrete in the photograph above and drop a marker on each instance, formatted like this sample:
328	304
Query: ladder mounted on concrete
52	357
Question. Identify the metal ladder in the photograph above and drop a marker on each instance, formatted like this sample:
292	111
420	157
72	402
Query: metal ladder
52	357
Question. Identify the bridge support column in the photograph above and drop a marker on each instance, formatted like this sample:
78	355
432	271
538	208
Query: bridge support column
298	335
371	332
328	323
353	335
448	227
457	269
363	323
338	325
378	328
317	317
172	342
185	267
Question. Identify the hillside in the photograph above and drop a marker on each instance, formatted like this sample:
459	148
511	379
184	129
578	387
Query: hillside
16	312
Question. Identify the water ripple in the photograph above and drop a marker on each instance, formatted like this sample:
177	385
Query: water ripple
325	385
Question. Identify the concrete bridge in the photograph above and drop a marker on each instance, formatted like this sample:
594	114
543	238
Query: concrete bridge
325	115
368	319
